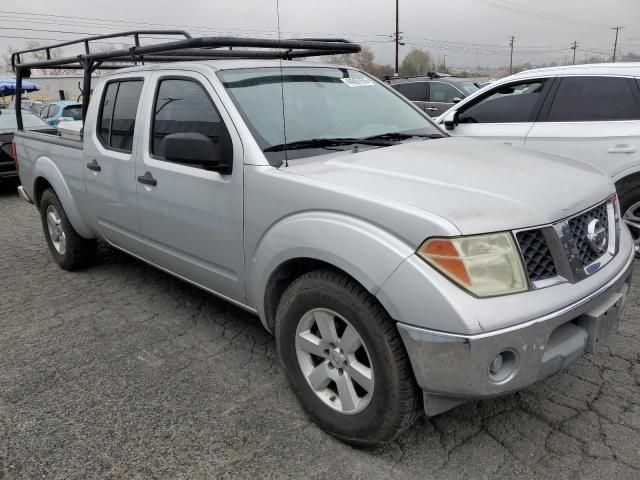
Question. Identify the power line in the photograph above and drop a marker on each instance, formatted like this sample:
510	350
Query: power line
532	12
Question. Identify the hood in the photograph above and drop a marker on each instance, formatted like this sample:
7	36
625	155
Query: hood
478	186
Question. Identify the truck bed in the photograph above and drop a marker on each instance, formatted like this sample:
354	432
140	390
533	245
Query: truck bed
62	159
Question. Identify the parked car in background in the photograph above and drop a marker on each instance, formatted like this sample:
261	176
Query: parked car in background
8	126
61	111
33	106
586	112
434	93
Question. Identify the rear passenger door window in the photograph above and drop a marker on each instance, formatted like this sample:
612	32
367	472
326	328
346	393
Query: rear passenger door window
594	99
183	106
414	91
117	119
514	103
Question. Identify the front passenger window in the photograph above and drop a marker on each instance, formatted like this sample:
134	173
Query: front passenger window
507	104
183	106
444	93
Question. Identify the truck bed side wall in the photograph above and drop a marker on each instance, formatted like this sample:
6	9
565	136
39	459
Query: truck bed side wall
61	163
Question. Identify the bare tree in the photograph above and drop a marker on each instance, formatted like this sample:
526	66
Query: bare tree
363	60
416	62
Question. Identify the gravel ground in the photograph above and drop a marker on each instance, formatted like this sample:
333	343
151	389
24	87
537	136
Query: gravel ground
121	371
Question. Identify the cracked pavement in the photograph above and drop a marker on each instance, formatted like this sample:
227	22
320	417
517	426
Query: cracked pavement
122	371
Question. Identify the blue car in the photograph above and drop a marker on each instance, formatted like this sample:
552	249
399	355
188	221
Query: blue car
61	111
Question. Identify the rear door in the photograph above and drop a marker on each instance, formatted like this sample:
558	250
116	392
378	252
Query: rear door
442	96
109	152
417	92
505	113
192	218
594	119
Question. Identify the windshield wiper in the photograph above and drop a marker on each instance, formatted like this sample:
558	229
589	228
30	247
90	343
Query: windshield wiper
329	142
397	136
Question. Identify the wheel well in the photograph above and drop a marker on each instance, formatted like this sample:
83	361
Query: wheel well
284	276
39	187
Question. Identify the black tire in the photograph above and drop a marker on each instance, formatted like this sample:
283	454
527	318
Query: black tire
629	195
395	402
79	252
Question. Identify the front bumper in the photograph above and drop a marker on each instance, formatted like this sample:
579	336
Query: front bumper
454	368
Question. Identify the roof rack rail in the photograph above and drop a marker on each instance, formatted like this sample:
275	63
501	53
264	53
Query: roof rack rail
183	48
407	77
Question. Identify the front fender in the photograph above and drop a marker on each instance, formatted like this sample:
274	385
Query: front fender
45	168
365	251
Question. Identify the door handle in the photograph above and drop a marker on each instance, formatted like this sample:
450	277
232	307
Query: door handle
622	149
431	109
93	165
147	179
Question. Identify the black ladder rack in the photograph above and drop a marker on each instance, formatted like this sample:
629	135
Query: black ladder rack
183	48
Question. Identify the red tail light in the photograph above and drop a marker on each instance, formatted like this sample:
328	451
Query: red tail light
14	152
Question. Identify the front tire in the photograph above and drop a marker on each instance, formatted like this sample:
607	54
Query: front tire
629	196
345	360
69	250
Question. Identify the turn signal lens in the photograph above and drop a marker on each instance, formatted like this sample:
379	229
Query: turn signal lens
485	265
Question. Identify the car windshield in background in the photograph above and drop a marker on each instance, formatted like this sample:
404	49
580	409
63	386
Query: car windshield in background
468	87
320	103
29	120
73	111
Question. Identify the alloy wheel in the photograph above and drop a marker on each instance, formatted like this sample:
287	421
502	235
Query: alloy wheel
56	231
334	360
632	218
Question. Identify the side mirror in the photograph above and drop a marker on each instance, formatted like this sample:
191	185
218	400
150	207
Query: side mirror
451	120
198	150
456	100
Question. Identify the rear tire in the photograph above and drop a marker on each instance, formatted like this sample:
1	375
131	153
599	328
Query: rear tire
629	196
69	250
339	402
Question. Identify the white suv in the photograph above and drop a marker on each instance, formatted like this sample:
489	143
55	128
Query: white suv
586	112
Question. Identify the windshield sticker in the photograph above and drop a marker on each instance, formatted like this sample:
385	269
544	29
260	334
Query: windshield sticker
358	82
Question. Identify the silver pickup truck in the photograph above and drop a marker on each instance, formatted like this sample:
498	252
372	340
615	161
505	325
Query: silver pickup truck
399	269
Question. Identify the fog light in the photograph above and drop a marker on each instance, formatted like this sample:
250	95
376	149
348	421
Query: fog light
503	366
496	365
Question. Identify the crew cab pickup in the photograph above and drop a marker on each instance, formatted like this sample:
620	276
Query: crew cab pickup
398	268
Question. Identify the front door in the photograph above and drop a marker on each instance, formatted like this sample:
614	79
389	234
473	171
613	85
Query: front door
192	218
442	97
505	113
109	165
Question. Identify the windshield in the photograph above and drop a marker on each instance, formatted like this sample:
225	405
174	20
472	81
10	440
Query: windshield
319	103
73	111
468	87
29	120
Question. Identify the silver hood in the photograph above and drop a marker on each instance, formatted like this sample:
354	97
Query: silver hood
478	186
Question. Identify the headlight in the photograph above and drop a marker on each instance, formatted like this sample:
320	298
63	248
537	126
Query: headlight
485	265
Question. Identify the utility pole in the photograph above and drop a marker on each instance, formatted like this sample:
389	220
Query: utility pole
574	47
511	60
444	63
397	35
615	45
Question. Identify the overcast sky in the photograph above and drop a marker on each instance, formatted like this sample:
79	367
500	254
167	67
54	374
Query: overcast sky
469	32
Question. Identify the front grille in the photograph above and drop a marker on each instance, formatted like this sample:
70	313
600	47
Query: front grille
579	230
537	255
